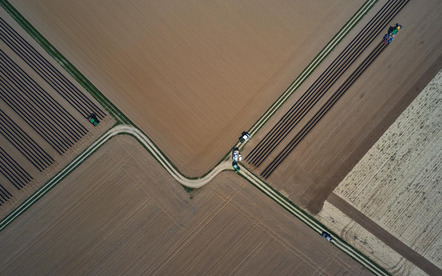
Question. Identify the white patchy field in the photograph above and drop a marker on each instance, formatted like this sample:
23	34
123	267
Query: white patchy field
397	185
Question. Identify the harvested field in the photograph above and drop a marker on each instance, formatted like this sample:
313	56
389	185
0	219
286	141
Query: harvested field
397	183
121	213
191	75
329	151
43	116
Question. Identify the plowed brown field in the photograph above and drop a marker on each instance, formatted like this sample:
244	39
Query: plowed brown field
121	213
191	74
14	145
361	116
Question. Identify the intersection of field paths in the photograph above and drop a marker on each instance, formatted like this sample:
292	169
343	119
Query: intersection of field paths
192	75
121	213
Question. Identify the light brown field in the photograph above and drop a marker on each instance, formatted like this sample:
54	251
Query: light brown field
192	75
39	178
371	105
121	213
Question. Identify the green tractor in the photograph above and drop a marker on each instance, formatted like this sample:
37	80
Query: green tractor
236	157
235	166
93	119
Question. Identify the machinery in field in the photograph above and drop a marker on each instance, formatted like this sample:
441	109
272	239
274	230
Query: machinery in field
392	31
244	136
93	119
236	157
327	236
235	166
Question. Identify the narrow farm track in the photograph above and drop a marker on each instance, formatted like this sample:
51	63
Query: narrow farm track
325	81
38	63
324	109
191	183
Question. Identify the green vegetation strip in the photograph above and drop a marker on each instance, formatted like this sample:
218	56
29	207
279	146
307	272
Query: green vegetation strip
311	222
117	130
311	67
63	62
48	185
165	162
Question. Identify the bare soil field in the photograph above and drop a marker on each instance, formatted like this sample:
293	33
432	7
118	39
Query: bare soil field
397	183
366	242
361	116
41	135
121	213
192	75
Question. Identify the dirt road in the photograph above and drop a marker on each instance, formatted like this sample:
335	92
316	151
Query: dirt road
191	75
120	212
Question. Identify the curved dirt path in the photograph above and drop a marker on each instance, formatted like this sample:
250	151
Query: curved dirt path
158	155
190	183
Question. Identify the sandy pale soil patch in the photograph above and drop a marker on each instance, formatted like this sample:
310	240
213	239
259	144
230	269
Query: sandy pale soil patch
50	115
192	75
121	213
364	113
397	183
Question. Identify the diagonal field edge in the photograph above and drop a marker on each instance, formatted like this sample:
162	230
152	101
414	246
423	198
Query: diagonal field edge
313	65
121	119
145	141
315	92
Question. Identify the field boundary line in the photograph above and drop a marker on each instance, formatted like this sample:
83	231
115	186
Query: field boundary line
64	63
125	126
190	183
122	119
312	222
310	68
116	130
119	116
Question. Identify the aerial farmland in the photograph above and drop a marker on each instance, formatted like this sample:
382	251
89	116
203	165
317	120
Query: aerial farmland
119	150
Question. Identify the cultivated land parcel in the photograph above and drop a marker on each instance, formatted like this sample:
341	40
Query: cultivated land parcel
42	127
114	216
355	123
192	77
394	192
